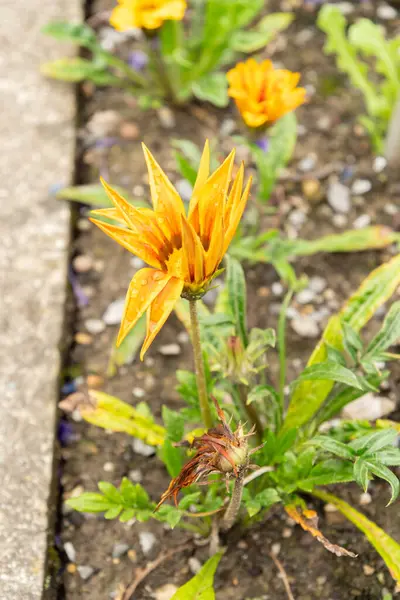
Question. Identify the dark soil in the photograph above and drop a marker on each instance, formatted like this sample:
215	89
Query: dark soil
246	570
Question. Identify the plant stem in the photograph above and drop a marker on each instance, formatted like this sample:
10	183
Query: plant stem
251	412
282	349
199	366
122	66
234	504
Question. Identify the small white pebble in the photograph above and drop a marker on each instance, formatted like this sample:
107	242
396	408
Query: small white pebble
138	392
362	221
108	467
365	499
147	541
277	288
275	549
170	350
379	164
361	186
194	565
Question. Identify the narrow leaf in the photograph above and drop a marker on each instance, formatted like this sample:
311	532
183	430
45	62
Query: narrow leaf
376	289
236	284
200	587
385	545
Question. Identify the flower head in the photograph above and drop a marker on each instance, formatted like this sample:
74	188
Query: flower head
219	450
262	93
146	14
183	251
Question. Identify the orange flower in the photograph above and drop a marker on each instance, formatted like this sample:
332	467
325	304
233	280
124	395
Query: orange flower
264	94
146	14
183	252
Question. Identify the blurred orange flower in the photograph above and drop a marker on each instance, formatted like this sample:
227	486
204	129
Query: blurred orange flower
262	93
183	252
146	14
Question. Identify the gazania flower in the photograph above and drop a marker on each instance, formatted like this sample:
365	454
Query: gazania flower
183	251
146	14
262	93
219	450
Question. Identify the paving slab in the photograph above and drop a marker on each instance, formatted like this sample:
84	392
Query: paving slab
37	133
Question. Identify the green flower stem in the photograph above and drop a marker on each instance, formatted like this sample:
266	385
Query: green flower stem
234	504
199	366
282	349
251	412
122	66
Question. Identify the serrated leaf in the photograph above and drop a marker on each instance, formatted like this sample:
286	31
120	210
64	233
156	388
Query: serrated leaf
213	88
236	284
375	290
334	446
330	371
375	441
385	545
360	471
388	335
200	587
389	457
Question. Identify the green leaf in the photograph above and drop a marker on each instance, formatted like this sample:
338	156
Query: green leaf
171	457
90	502
174	423
386	474
334	446
188	500
385	545
330	371
113	513
261	392
213	88
95	195
236	285
376	289
360	472
325	473
168	514
375	441
354	240
250	41
110	492
351	337
185	168
333	23
78	69
369	37
109	412
388	335
275	22
126	352
389	456
77	33
200	587
281	142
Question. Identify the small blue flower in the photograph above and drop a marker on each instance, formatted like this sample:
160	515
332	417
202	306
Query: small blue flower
138	60
263	143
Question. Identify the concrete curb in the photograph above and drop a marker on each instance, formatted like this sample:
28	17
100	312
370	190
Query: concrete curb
37	132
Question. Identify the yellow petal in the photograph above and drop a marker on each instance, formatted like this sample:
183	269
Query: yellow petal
132	242
123	206
202	175
109	213
163	194
236	215
211	200
234	196
193	252
143	289
215	251
160	310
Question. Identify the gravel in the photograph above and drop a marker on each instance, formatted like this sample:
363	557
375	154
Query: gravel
114	311
339	197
